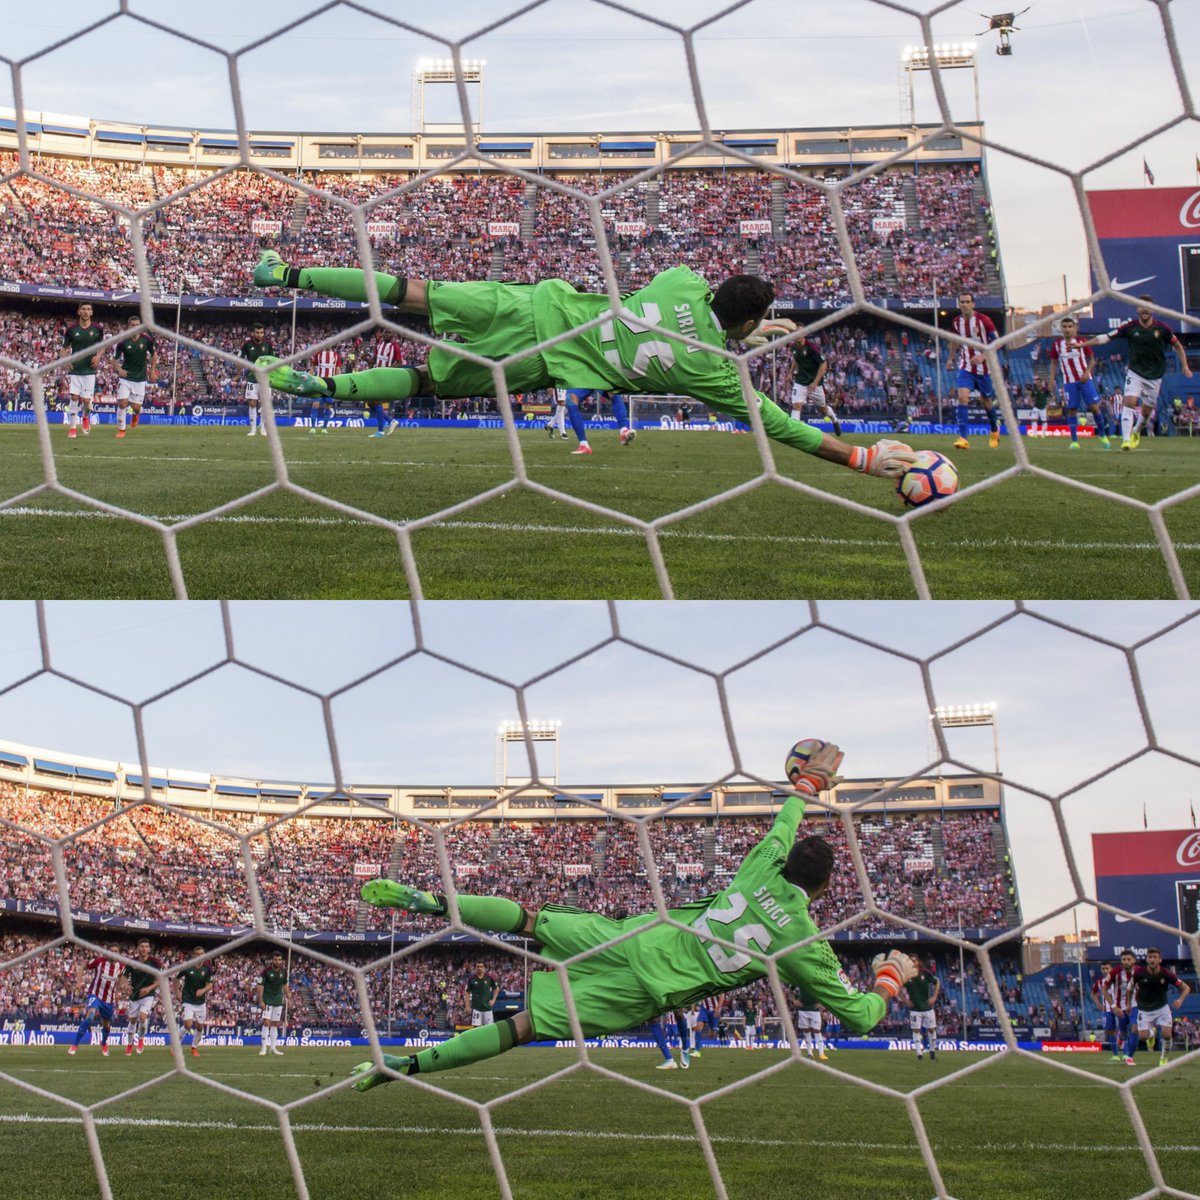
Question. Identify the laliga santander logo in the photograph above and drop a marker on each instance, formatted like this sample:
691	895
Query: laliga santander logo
1189	214
1188	854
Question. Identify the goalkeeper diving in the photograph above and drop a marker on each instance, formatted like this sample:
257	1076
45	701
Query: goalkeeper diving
764	911
496	321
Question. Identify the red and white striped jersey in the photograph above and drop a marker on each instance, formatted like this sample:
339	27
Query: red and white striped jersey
979	328
387	353
1074	357
327	363
1102	992
1122	984
103	983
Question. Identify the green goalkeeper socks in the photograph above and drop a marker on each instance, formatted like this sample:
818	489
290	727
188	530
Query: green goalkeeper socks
492	913
346	283
471	1047
377	384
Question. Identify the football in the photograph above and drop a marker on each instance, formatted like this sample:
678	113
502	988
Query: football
799	755
931	477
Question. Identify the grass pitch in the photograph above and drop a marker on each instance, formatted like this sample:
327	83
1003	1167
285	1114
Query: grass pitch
1013	1129
1028	537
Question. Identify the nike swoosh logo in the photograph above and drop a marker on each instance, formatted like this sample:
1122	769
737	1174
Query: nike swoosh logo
1124	287
212	300
1144	912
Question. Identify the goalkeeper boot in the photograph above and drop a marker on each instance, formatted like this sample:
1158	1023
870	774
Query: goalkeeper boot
387	893
270	270
962	444
370	1077
288	379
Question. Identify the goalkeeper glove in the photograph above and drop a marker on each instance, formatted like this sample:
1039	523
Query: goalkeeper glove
766	330
298	383
819	774
893	971
886	457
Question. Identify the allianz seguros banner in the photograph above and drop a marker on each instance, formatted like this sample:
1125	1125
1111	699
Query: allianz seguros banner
1150	240
1155	875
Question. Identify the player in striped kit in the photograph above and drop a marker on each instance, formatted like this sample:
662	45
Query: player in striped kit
1153	982
1102	997
1122	979
1074	358
974	375
326	364
101	998
387	352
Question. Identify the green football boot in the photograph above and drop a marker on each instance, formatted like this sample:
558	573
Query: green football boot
387	893
370	1077
270	270
288	379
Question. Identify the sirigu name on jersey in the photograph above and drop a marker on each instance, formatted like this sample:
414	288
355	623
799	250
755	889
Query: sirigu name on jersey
687	323
771	909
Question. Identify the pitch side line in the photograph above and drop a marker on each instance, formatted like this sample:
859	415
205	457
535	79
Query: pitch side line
623	531
600	1135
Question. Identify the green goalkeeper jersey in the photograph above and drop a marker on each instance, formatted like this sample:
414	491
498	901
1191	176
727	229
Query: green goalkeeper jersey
617	356
758	911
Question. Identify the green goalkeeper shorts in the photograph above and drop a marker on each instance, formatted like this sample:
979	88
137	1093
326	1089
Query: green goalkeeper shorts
494	321
608	995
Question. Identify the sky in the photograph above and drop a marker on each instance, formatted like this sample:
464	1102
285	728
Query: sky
638	690
1086	79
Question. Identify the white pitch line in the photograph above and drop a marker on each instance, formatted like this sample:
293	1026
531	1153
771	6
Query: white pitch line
624	531
602	1135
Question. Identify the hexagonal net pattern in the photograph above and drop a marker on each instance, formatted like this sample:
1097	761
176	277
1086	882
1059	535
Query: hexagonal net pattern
837	194
52	834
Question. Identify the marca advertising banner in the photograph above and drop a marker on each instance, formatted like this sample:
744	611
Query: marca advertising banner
1150	240
1152	874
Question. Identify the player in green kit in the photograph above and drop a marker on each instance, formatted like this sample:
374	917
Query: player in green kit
256	346
763	910
81	374
482	993
497	320
272	994
922	991
135	366
143	992
197	983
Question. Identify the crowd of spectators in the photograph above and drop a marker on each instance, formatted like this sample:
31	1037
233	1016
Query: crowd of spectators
213	225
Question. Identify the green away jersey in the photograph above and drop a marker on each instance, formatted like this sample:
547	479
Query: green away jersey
139	979
920	988
480	992
618	356
808	362
758	911
134	354
252	351
78	338
195	978
273	983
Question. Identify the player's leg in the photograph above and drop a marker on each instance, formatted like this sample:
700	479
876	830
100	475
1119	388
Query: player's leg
74	404
1092	399
987	397
136	415
1132	1038
799	395
1165	1029
1110	1030
1073	402
621	414
492	913
122	408
344	283
571	397
659	1034
961	410
681	1028
819	1039
105	1031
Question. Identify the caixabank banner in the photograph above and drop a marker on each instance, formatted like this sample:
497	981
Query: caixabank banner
1154	875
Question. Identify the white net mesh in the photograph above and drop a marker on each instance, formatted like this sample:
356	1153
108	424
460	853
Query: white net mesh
352	211
65	827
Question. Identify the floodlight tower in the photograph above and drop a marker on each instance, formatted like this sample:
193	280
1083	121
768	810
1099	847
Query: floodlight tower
441	71
948	56
511	734
959	716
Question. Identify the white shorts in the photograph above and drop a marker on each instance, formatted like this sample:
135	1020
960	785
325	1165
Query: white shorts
134	392
1163	1017
145	1005
82	385
1144	389
802	393
252	390
482	1018
272	1012
808	1020
195	1012
923	1020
